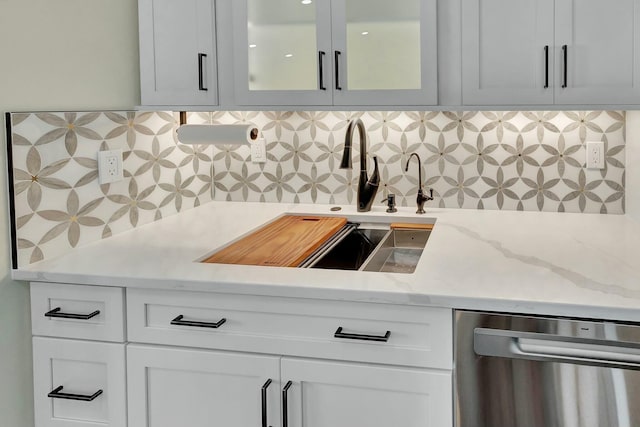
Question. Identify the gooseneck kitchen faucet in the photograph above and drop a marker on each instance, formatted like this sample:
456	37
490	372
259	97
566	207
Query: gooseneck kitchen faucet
367	187
421	198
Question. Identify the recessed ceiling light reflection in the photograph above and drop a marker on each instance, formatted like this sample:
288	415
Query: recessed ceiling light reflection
253	45
289	55
365	33
306	2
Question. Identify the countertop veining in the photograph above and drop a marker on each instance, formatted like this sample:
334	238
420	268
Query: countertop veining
579	265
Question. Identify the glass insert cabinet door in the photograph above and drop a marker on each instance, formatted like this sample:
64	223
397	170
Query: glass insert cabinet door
385	52
282	52
335	52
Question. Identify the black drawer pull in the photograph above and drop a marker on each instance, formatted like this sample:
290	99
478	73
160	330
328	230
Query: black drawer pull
564	71
178	321
264	402
55	393
201	57
546	67
321	55
285	404
340	334
336	60
58	314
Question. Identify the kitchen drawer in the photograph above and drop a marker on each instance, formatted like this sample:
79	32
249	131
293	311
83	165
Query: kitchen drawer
418	336
78	300
92	371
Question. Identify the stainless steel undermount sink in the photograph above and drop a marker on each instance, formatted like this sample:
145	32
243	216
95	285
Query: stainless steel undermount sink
371	247
399	251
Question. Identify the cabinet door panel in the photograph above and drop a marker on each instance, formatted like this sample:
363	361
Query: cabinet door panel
386	52
174	34
602	39
171	386
277	52
333	394
81	368
503	53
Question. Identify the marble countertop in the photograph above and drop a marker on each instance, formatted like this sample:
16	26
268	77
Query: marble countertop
577	265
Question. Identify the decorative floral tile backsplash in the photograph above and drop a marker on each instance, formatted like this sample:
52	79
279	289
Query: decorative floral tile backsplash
59	203
479	160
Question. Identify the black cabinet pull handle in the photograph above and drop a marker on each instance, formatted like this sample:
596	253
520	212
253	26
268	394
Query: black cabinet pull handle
201	86
58	314
564	56
382	338
264	402
178	321
55	393
546	67
285	405
337	61
321	55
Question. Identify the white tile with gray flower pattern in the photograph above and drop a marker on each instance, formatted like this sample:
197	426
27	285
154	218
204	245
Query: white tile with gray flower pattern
531	161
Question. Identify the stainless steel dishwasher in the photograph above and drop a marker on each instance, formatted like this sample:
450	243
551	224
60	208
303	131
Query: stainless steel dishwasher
528	371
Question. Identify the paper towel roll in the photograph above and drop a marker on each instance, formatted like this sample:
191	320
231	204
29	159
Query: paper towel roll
218	134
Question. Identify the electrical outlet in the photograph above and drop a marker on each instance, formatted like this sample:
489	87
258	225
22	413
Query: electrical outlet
595	155
259	151
110	166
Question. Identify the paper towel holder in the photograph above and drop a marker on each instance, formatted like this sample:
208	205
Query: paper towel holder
183	121
217	134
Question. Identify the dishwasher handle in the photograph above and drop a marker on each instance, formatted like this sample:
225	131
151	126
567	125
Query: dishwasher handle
555	348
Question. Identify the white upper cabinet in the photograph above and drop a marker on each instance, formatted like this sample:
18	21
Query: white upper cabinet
507	52
376	53
335	52
600	39
544	52
177	52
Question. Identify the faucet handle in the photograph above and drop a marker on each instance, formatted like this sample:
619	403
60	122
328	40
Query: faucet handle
390	200
421	195
430	196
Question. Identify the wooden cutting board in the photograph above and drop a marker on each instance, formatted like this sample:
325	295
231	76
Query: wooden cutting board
285	242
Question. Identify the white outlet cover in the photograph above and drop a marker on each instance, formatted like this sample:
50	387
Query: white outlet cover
595	155
259	151
110	166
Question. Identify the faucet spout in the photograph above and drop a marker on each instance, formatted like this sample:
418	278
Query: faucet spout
406	169
367	186
421	198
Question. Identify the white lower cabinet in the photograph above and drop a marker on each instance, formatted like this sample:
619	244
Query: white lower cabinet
207	359
79	383
336	394
169	387
211	360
